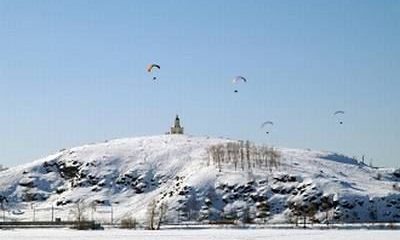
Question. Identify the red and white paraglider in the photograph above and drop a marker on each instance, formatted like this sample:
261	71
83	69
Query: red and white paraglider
151	68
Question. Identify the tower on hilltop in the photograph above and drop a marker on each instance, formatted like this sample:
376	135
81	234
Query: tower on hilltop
177	129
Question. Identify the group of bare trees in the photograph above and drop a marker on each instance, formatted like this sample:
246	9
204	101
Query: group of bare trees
243	155
304	209
156	215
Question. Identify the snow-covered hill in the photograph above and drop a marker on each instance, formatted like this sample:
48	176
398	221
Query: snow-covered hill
120	178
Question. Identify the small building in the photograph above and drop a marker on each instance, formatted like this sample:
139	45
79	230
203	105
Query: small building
176	129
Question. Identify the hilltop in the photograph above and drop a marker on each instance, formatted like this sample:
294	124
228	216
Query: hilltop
123	177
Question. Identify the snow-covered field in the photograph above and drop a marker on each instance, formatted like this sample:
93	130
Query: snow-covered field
209	234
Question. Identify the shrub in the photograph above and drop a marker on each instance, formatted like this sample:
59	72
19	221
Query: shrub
128	223
378	176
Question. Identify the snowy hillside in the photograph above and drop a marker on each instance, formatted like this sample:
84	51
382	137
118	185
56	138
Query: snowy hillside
120	178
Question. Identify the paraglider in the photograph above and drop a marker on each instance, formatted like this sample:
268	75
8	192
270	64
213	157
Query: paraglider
267	123
338	113
151	68
239	79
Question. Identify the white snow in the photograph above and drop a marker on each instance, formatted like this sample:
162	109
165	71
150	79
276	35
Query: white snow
162	166
207	234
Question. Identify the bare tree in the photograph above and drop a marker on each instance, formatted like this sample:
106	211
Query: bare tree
79	210
151	214
92	210
241	155
274	158
209	155
229	152
327	204
156	217
217	155
264	156
303	209
220	156
254	155
247	152
236	155
79	214
161	214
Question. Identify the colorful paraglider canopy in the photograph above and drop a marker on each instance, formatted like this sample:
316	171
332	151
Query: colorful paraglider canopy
152	66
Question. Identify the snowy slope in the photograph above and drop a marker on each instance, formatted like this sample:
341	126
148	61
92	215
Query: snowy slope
119	178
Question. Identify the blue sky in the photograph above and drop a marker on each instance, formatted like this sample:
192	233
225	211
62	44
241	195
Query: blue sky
73	72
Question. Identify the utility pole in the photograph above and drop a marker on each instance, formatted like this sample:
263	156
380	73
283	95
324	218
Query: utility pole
52	212
92	209
112	214
4	212
178	214
3	208
34	212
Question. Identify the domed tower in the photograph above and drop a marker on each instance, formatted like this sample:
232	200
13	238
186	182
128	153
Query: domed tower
177	129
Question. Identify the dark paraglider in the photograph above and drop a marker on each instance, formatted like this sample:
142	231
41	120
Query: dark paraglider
338	114
268	125
150	69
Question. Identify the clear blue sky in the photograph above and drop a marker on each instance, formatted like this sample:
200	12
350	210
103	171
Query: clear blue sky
73	72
